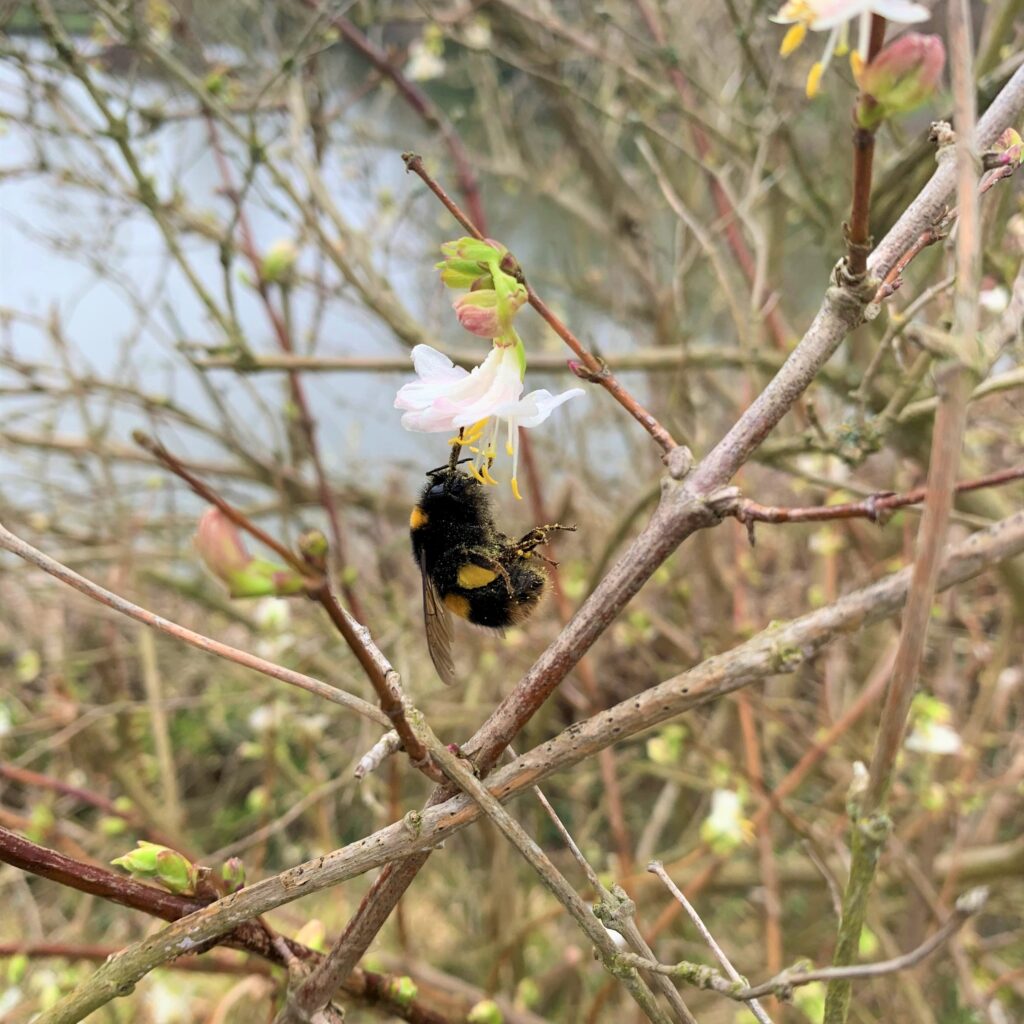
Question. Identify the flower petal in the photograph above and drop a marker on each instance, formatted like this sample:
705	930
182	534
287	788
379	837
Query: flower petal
503	393
536	407
431	420
431	364
901	10
452	384
823	15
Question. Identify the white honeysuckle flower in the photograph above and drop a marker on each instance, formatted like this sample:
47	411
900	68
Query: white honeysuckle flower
931	737
834	17
446	398
725	827
424	63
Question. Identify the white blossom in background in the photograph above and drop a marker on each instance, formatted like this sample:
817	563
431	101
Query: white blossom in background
725	827
934	738
426	60
931	731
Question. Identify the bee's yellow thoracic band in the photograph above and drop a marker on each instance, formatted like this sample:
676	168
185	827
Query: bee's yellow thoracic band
472	576
417	518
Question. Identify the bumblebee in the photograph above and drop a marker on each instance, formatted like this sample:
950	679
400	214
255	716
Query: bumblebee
469	568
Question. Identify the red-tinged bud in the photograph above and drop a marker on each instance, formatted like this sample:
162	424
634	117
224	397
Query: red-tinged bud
222	550
233	874
905	74
220	544
1008	151
483	312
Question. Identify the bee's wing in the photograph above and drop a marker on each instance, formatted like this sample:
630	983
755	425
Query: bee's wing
439	629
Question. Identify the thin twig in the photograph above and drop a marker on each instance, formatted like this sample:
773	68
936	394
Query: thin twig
657	868
9	542
616	910
782	985
858	230
873	507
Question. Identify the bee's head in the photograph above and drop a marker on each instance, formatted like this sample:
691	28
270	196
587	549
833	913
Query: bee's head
447	480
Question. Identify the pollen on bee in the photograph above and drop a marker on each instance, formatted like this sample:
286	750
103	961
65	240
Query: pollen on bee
472	576
417	518
457	605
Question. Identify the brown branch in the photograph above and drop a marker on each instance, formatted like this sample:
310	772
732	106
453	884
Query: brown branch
593	369
698	356
209	963
894	279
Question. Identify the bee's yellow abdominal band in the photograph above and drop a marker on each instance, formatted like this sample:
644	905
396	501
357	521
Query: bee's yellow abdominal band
417	518
472	576
457	605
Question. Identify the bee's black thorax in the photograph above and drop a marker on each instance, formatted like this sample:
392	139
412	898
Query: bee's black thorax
453	512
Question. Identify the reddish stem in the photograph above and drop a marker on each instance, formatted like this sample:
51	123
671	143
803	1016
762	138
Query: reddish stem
858	231
872	507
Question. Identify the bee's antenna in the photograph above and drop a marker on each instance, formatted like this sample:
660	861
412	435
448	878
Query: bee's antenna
453	460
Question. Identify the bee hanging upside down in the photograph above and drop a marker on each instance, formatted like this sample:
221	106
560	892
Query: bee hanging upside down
469	567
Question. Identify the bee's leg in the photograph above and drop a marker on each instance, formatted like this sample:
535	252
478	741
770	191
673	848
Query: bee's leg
539	535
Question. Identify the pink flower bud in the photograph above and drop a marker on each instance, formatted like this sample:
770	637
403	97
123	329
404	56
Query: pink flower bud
220	545
481	314
905	74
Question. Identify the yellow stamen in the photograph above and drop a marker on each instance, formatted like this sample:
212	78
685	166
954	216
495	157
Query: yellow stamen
473	448
488	479
473	433
793	38
508	447
476	473
515	489
856	65
814	79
